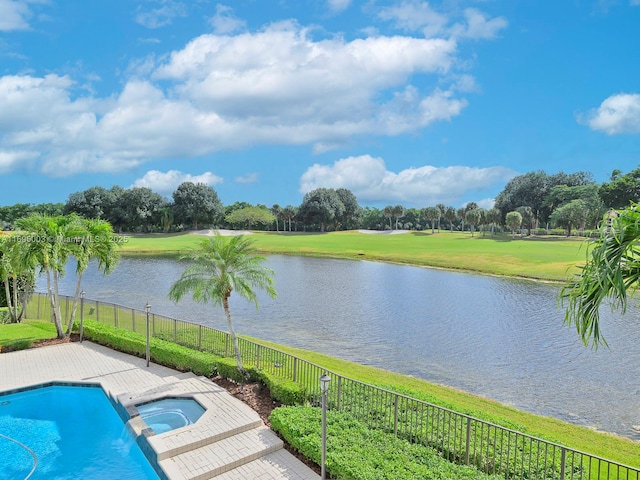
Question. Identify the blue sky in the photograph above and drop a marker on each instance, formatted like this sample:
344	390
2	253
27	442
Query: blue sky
405	102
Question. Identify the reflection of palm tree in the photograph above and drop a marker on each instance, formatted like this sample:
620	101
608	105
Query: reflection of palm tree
612	268
219	267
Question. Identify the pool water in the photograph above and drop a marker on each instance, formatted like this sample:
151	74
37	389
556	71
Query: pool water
170	413
75	433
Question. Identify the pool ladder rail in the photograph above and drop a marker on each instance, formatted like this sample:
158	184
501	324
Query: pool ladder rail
35	457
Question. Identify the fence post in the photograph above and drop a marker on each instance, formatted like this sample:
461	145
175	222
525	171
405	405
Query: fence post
468	441
98	312
339	392
226	345
295	369
395	416
153	324
175	331
133	322
200	338
115	315
563	457
258	357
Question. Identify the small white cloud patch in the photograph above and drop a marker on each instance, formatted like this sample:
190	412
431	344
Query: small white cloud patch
617	114
167	182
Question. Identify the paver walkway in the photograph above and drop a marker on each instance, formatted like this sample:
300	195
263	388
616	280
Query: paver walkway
228	442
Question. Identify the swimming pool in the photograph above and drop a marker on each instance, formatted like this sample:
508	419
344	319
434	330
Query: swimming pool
75	433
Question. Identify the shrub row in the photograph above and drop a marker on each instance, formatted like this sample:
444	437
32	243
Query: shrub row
357	452
186	359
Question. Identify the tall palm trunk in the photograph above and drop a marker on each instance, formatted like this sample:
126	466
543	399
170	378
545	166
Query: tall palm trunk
74	307
7	292
14	314
234	338
54	307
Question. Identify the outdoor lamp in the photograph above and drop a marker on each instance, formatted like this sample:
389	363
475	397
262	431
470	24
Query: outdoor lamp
147	307
324	387
324	382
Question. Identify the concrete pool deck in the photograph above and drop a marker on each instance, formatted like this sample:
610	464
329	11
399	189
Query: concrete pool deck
228	442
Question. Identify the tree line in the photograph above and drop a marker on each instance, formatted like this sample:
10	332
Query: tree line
535	200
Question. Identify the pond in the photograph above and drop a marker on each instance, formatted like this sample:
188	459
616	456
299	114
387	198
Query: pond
500	338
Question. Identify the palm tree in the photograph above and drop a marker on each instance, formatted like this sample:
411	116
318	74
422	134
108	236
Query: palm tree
450	216
513	221
431	214
388	212
441	207
219	267
97	242
473	218
288	214
277	212
612	268
50	243
398	213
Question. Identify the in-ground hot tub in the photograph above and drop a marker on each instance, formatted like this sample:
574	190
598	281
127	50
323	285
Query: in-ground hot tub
170	413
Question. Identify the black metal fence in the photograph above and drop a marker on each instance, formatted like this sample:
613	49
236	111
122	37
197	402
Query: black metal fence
459	438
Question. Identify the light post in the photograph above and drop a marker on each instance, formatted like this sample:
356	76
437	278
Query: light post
81	314
324	388
147	307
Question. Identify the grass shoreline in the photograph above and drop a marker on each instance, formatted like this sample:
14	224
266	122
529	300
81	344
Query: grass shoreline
544	259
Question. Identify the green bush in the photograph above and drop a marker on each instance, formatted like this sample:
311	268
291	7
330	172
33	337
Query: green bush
4	315
162	352
284	391
356	452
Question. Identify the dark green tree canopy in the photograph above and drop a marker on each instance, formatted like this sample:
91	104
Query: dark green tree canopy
622	190
321	206
196	204
91	203
140	208
531	190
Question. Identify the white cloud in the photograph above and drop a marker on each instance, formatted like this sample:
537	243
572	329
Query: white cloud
338	5
617	114
486	203
416	15
224	22
634	3
370	181
167	182
478	26
14	15
162	15
274	86
248	178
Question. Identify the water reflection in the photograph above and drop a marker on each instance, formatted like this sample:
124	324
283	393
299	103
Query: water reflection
503	339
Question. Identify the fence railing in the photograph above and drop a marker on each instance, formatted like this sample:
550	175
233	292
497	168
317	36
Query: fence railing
458	437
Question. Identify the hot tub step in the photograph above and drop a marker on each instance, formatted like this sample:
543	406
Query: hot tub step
199	435
278	464
222	456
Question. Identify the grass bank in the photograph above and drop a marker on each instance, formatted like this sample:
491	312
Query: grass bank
553	259
17	336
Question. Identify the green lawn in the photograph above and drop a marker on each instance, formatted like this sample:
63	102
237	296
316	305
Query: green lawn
22	335
553	258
